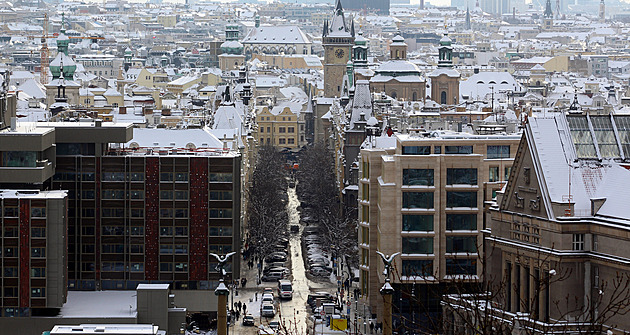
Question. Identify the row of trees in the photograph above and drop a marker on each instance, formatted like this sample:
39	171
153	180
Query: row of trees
318	191
267	199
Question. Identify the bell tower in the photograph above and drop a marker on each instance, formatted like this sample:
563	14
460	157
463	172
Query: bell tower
337	39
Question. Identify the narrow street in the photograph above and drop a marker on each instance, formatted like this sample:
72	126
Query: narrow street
292	314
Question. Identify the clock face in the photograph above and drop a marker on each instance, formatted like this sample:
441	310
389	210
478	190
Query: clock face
339	53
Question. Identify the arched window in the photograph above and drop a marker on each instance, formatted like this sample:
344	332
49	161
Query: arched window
393	94
414	96
397	54
443	98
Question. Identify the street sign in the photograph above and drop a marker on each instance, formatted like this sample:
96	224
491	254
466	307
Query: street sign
323	312
348	303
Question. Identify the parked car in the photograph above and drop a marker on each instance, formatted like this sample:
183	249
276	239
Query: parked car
268	290
267	310
284	271
311	300
320	272
272	276
267	298
274	325
320	265
248	320
276	257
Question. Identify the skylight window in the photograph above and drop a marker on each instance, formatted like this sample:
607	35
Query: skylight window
581	136
605	136
623	128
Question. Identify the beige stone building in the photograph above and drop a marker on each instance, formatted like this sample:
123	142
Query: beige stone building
558	234
282	127
424	198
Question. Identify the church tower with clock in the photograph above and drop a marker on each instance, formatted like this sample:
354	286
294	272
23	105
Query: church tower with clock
337	39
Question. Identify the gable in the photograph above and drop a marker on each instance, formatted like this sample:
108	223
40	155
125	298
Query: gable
523	192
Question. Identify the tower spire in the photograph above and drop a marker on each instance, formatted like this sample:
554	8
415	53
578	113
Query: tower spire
548	12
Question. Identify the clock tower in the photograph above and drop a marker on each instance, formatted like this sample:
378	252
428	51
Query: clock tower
337	39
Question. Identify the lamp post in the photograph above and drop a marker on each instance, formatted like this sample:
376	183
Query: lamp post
222	292
387	291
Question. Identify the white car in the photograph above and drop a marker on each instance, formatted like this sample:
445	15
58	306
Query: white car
267	298
267	310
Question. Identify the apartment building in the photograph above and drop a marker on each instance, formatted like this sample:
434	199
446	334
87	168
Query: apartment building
423	196
558	234
138	211
282	126
106	66
34	228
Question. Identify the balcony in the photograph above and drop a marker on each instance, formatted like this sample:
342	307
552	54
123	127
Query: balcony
42	171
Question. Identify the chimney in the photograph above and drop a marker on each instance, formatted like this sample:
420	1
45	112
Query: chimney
98	123
13	123
122	110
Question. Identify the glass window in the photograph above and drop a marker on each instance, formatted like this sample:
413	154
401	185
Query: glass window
181	176
498	151
88	194
113	248
87	231
10	272
493	174
181	249
136	194
113	230
136	231
605	135
166	231
181	195
461	176
220	231
578	241
416	150
418	177
136	176
166	249
417	222
166	212
136	212
220	195
11	231
88	212
114	194
181	231
11	212
417	245
10	292
38	252
458	149
461	221
507	171
181	212
437	149
166	176
87	248
582	138
461	199
136	267
221	213
19	159
461	266
461	244
417	199
113	212
113	176
221	177
623	128
166	195
166	267
417	267
136	249
181	267
38	272
38	212
10	252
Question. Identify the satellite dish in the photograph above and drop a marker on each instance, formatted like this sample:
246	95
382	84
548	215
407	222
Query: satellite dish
191	146
134	145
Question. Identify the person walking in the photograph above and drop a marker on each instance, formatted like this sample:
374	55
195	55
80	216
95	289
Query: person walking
244	309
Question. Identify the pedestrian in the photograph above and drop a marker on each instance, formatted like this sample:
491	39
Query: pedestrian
239	306
371	327
256	296
238	315
244	282
244	308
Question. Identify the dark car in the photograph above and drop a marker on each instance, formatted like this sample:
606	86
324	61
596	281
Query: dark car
324	296
272	276
248	320
276	257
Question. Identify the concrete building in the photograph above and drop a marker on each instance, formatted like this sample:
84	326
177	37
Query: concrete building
558	232
152	212
34	232
424	197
